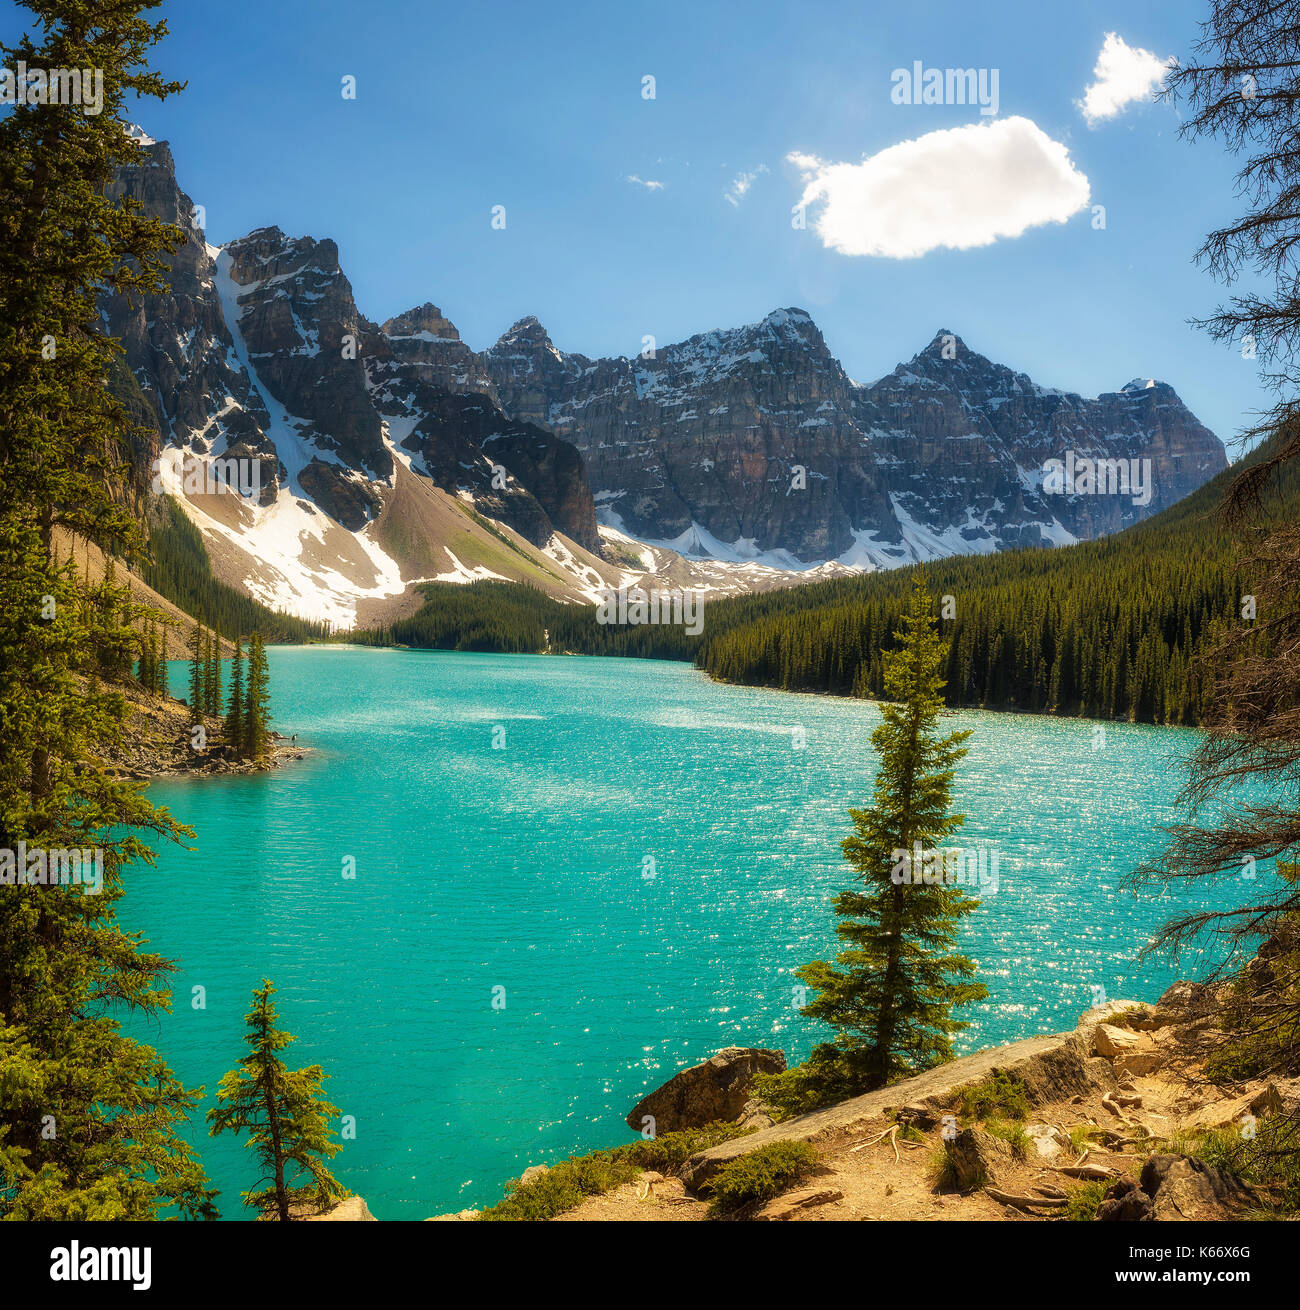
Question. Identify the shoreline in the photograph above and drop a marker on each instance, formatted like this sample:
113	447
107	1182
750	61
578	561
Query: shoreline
762	686
283	753
1108	1120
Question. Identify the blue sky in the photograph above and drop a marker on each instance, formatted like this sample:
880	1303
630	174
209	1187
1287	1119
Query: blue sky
540	108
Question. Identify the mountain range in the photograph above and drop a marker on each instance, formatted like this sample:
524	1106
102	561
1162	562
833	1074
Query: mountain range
391	454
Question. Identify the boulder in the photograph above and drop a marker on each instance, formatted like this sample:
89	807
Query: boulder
1125	1202
532	1174
1107	1013
978	1158
1184	1188
705	1093
1181	1003
1047	1141
755	1115
1259	1099
1111	1041
1138	1063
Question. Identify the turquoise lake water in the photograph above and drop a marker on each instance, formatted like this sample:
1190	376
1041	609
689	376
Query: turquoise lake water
524	868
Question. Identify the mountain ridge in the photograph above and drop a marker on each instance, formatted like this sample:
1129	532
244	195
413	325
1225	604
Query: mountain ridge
736	460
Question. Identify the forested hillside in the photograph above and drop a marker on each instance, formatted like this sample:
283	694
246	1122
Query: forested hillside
179	569
512	618
1103	629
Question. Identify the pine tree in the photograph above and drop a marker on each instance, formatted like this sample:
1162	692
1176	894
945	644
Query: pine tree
197	680
234	728
162	663
212	680
898	981
89	1118
146	674
283	1112
205	674
257	718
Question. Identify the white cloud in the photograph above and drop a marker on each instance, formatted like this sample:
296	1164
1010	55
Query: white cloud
741	184
1123	74
649	186
959	188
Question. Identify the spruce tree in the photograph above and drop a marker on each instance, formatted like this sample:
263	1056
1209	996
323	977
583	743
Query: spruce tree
146	674
89	1118
257	718
197	680
205	674
162	663
213	705
892	989
234	728
284	1113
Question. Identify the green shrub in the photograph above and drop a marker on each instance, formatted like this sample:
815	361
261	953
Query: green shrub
1254	1051
669	1151
570	1182
1082	1137
1000	1095
1084	1200
563	1186
1260	1011
760	1175
827	1077
1269	1161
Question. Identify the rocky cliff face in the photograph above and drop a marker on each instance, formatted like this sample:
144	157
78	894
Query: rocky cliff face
439	408
974	437
300	332
754	440
258	352
177	345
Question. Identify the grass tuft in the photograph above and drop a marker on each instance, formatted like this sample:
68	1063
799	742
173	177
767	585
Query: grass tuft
1013	1134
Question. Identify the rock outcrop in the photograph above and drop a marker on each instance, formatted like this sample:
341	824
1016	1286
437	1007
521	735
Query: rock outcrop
514	471
792	1204
177	345
350	1210
1050	1069
756	439
977	1158
1177	1188
713	1091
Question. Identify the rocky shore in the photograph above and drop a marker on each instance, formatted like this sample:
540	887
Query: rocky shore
1103	1123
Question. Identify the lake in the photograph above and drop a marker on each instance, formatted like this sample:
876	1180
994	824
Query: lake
573	876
